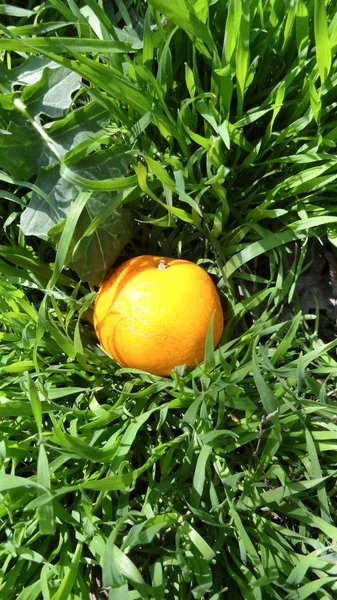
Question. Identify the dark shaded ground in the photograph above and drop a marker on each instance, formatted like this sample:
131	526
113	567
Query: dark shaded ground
317	289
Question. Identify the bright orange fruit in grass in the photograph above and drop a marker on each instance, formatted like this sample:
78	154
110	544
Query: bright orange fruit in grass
152	313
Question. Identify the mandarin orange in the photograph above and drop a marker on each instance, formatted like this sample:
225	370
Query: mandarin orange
152	313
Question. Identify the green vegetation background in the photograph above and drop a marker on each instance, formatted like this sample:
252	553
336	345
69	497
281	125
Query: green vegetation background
202	129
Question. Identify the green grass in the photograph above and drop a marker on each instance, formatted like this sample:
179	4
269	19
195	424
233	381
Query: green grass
205	130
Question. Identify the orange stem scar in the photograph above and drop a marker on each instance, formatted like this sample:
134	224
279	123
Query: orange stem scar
162	265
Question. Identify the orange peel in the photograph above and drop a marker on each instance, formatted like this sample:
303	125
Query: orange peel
152	313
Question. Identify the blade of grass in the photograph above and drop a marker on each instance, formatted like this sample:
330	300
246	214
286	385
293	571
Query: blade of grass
323	49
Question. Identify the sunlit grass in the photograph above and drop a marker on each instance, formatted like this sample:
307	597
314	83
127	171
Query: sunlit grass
193	129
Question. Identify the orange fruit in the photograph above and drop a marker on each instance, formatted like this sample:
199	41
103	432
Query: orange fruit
152	313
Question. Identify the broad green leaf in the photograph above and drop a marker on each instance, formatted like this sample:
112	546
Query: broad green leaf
52	94
68	233
108	79
23	152
101	229
20	151
128	35
29	71
96	252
